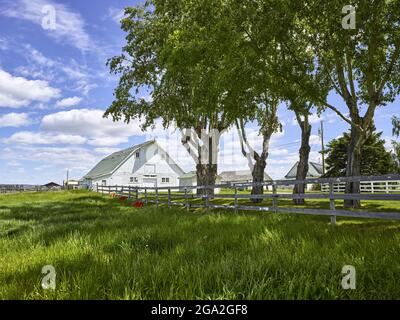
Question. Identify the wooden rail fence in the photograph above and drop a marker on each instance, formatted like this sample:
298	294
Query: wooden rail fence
180	196
20	188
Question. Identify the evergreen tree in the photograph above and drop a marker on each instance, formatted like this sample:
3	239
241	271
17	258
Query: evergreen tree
375	160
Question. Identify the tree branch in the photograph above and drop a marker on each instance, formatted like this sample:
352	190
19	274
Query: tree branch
393	60
242	137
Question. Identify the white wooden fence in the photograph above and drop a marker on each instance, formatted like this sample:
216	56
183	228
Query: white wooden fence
367	186
174	196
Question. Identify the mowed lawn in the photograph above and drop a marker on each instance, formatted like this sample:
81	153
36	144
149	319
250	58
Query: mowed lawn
102	249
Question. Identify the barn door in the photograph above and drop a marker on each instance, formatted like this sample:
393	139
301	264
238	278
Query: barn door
149	182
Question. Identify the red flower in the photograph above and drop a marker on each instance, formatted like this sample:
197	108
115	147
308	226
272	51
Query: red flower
138	204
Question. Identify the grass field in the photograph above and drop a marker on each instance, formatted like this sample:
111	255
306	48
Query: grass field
102	249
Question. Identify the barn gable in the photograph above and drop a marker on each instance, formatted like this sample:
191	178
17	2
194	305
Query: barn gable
112	162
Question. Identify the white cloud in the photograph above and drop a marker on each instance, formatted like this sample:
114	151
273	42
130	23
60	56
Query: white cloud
39	138
115	14
70	157
315	118
315	156
388	143
13	163
15	120
106	151
315	140
90	123
74	76
43	167
69	25
68	102
278	152
107	141
17	92
3	44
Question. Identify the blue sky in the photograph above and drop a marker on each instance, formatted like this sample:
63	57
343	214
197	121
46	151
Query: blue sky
54	87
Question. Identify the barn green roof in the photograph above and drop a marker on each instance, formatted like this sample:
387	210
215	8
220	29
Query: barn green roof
110	163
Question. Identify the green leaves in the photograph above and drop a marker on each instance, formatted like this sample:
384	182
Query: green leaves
375	160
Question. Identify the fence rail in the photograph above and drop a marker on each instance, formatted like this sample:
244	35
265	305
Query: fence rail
23	188
181	196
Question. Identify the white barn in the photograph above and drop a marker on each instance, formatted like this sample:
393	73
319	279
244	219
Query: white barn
143	165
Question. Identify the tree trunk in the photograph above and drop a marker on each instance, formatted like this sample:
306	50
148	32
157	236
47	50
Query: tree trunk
206	169
353	168
205	155
206	176
304	152
258	177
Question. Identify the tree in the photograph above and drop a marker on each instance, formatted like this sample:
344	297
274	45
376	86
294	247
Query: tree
396	144
363	64
374	159
396	154
290	73
302	112
396	126
268	122
179	50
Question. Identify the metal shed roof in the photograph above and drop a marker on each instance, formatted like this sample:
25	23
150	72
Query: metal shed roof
314	171
240	175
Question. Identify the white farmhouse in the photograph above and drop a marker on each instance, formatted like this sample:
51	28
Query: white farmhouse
143	165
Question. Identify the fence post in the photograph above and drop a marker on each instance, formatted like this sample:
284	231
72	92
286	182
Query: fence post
332	203
274	198
186	200
137	193
156	196
109	190
236	200
129	192
206	197
145	196
387	186
169	197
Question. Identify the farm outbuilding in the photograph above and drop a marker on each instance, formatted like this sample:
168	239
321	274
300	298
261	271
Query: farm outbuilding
315	170
189	179
240	176
72	184
52	186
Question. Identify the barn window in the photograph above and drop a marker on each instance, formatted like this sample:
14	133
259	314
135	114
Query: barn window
134	179
165	180
137	154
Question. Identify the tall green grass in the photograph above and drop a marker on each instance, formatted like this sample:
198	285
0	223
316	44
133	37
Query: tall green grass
102	249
